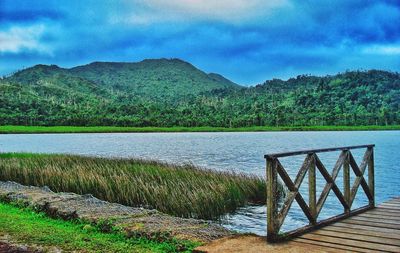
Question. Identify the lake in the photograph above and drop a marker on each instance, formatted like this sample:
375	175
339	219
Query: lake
239	152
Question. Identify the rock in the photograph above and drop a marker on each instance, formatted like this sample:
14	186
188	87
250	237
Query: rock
134	221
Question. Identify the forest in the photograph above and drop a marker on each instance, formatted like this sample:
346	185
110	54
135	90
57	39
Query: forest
171	92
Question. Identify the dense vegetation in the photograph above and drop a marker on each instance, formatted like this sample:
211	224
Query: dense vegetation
115	129
168	93
30	228
183	191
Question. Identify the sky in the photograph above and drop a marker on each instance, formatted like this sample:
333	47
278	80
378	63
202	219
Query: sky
247	41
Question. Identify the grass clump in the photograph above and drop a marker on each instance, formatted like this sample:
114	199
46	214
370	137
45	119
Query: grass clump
25	226
184	191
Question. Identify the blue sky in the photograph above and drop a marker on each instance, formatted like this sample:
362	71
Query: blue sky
248	41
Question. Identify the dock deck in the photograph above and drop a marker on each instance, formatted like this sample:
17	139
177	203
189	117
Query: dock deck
376	230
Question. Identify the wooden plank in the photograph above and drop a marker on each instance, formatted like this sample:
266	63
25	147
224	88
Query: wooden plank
312	190
271	199
346	181
304	152
352	243
379	216
391	203
386	210
371	176
335	247
359	237
371	224
362	232
391	206
369	228
377	220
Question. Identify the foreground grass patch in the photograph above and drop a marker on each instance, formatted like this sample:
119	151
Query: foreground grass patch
28	227
112	129
184	191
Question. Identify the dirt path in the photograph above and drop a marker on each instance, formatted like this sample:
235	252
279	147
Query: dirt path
257	244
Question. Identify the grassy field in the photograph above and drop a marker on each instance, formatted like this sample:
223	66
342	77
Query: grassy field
184	191
111	129
27	227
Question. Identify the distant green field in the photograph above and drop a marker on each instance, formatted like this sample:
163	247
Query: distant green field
112	129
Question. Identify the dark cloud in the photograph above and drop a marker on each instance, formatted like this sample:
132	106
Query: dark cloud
297	37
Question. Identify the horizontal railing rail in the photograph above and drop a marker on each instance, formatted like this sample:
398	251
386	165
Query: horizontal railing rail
275	217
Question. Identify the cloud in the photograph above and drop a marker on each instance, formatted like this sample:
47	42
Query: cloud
390	50
247	41
17	39
156	11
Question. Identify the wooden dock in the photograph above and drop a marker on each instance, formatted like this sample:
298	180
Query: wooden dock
376	230
365	229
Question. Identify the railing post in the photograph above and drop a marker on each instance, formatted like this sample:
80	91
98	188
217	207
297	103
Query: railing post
312	195
272	233
371	176
346	180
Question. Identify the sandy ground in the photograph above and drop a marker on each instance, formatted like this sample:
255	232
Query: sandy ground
257	244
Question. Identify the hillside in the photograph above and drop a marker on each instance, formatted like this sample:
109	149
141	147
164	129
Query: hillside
175	93
161	78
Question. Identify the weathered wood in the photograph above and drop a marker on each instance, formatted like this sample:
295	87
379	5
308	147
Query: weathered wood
352	243
377	220
346	230
371	224
328	186
388	231
335	246
330	180
390	206
359	171
379	216
313	208
346	181
304	152
320	224
358	237
292	194
312	190
271	199
371	176
300	200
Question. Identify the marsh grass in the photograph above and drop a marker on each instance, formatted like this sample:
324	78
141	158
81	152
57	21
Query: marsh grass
184	191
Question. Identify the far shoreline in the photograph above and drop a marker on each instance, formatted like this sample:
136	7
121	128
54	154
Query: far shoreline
12	129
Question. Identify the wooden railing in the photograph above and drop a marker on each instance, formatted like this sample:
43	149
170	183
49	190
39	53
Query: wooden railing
275	217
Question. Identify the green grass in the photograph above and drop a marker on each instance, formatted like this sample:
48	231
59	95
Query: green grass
112	129
183	191
27	227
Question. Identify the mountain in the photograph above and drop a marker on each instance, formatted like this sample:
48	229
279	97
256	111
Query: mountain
171	92
161	78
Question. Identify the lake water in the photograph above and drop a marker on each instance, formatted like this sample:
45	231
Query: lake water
240	152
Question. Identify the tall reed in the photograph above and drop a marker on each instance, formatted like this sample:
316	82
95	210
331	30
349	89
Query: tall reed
185	191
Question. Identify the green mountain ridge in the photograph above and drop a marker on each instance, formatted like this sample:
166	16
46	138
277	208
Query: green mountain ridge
172	92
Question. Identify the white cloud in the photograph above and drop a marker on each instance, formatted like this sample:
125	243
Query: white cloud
382	49
229	11
17	39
